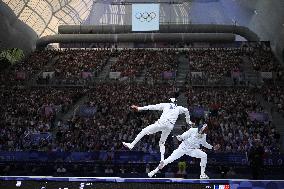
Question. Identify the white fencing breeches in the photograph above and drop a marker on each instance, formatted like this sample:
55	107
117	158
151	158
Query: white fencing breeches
154	128
180	151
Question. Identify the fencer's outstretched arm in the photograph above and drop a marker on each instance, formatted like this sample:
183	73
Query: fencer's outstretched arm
205	144
185	111
149	107
185	135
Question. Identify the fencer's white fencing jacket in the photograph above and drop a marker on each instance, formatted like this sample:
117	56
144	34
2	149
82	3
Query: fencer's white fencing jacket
170	112
193	140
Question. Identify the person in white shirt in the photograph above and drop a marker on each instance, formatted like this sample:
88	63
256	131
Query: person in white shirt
165	124
191	141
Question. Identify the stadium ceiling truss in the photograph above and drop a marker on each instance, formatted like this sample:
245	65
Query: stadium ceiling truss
44	16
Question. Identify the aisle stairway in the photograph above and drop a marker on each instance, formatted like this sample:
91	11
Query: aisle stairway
104	74
141	77
47	67
250	74
73	109
182	71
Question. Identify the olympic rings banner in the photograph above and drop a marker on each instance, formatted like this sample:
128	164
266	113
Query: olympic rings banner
145	17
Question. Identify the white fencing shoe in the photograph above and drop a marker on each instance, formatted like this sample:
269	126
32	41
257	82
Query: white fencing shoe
151	174
128	145
204	176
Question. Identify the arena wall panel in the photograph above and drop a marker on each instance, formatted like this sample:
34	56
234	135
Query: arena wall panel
171	28
135	37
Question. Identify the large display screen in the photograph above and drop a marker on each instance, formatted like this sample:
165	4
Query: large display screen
145	17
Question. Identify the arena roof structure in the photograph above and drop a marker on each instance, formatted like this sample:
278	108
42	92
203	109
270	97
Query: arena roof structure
44	16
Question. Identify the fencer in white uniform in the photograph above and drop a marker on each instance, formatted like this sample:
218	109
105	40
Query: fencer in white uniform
165	124
191	141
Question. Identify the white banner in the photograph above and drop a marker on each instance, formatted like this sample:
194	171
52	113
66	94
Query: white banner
123	78
145	17
195	74
266	75
45	74
114	75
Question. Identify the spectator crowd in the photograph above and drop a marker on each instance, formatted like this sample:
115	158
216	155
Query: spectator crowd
227	111
215	63
30	111
113	121
27	110
27	68
206	65
275	94
132	63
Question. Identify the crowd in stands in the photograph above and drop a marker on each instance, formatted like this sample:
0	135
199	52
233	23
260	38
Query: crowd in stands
75	66
131	63
275	95
114	121
29	111
215	63
69	66
228	116
207	65
262	59
227	111
26	111
26	69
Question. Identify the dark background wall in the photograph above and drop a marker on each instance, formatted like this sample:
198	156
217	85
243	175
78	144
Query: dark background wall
13	32
264	17
268	21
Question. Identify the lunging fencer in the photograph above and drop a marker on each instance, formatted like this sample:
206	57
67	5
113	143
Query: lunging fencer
191	141
165	124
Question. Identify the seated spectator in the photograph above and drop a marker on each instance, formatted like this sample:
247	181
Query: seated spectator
229	120
23	71
61	170
131	63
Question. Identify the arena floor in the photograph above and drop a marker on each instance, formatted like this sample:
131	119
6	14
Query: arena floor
44	182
